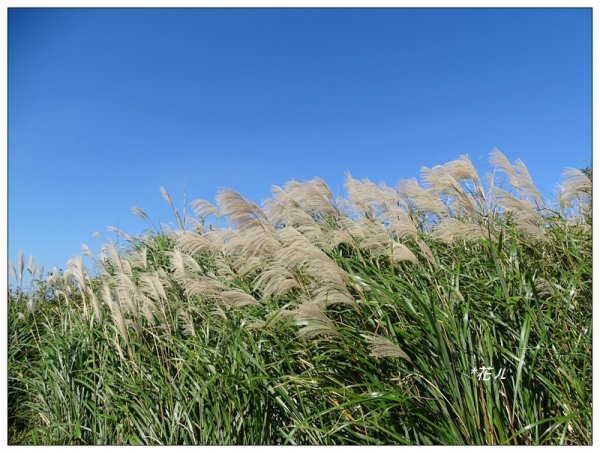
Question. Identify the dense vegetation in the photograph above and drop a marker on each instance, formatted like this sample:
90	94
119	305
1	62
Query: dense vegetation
315	320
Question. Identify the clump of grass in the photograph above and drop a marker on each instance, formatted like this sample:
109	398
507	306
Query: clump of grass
324	321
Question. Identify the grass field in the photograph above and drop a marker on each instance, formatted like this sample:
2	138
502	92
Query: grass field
455	311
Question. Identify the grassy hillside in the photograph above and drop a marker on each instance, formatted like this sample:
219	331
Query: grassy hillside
453	312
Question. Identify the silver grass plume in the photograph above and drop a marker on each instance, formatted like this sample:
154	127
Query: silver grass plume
241	212
140	213
577	186
194	243
423	199
115	310
280	206
31	267
462	169
139	259
401	252
113	229
85	250
126	292
498	159
169	200
383	347
450	230
149	309
399	222
442	180
95	304
187	323
374	238
526	217
526	186
313	196
313	320
76	273
146	286
184	266
21	265
254	241
203	209
426	251
300	254
12	270
275	281
363	195
237	298
54	279
326	296
206	287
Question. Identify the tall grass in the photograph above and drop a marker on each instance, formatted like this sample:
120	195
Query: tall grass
315	320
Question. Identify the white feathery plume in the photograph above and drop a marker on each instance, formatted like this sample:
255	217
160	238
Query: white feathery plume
401	252
187	323
462	169
450	229
314	234
236	298
244	266
314	321
203	209
21	265
76	273
383	347
313	196
527	219
423	199
374	237
276	281
194	243
159	285
300	254
509	202
12	269
526	186
184	266
140	213
169	200
225	268
362	194
335	237
442	182
499	160
54	279
576	186
95	304
278	207
206	287
531	226
240	211
146	286
399	222
124	235
31	305
254	241
326	296
139	258
31	267
115	310
126	292
427	253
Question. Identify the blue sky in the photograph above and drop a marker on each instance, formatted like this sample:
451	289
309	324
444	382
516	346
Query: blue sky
107	105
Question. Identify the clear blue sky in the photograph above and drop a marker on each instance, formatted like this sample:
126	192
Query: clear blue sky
107	105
